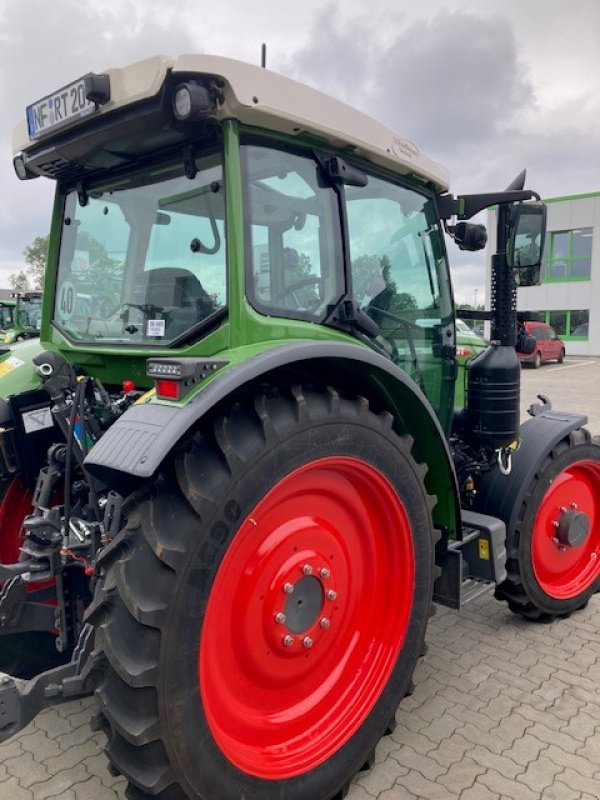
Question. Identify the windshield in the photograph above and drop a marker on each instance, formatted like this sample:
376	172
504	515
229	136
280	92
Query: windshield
6	316
143	261
29	314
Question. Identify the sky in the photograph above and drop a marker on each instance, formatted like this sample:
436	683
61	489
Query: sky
487	87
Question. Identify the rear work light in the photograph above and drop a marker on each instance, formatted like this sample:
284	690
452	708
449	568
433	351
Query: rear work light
175	377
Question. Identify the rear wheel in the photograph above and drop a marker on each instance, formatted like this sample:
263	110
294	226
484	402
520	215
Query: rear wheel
263	610
561	357
554	552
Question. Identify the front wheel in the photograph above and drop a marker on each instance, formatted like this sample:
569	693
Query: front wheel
263	610
537	361
554	552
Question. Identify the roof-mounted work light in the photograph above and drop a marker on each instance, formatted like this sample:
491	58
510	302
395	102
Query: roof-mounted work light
192	101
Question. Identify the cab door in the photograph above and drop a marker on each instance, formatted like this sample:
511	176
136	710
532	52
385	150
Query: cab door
399	278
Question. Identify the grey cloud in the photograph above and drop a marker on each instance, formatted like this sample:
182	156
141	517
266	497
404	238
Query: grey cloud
69	39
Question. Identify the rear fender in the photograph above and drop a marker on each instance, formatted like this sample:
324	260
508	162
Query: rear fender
502	495
136	445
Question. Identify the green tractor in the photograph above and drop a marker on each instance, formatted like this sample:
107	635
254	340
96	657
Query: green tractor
21	317
234	477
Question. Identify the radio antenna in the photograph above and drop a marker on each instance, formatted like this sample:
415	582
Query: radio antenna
263	55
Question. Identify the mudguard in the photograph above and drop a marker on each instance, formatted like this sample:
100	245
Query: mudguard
139	441
501	495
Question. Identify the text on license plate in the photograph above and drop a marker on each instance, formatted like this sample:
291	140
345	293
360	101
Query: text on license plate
57	109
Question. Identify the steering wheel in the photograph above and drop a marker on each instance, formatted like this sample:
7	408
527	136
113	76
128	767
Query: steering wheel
296	286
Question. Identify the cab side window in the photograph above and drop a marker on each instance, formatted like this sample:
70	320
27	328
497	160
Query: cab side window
292	235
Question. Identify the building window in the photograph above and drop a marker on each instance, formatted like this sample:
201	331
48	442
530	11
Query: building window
568	256
569	324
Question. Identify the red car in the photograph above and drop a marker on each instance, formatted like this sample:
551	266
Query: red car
549	346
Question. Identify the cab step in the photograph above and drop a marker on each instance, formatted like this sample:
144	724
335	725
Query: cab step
472	565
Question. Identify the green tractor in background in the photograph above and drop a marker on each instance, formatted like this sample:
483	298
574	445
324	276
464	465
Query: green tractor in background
20	317
234	477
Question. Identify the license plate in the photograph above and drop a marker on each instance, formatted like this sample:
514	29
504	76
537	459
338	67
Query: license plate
58	109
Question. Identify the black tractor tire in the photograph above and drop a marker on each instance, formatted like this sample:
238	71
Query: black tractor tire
173	620
553	554
537	361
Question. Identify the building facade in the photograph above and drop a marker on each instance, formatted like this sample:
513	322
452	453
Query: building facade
568	297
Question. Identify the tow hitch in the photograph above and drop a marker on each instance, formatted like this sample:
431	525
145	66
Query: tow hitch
22	700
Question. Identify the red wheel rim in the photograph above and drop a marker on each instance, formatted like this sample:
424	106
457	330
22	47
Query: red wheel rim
16	505
564	571
278	708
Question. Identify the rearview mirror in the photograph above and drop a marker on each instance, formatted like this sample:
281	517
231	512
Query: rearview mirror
526	243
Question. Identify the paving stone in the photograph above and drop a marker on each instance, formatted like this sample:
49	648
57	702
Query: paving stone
560	791
525	749
380	779
498	783
580	783
12	790
505	765
461	775
58	784
93	789
422	788
72	756
410	759
573	761
451	751
26	770
480	792
562	740
40	745
540	774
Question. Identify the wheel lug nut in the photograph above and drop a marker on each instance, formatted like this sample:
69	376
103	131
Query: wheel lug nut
574	505
563	510
288	640
325	623
307	641
325	573
288	588
331	595
280	618
556	524
307	569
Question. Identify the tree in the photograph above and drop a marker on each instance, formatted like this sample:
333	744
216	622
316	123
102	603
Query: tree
19	281
36	258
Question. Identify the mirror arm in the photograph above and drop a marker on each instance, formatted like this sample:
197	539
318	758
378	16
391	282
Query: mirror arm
467	205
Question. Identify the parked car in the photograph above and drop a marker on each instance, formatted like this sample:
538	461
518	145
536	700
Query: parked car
549	346
468	343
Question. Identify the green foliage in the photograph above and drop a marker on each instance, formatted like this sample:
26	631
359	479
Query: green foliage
36	258
19	281
374	285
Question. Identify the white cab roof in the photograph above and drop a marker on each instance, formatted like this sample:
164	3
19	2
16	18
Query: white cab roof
262	98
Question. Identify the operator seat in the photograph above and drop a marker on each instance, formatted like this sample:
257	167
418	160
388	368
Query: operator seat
181	296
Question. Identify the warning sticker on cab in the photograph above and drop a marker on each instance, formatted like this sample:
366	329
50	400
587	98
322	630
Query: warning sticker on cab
37	419
11	363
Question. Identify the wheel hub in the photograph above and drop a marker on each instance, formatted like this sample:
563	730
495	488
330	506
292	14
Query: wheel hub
573	527
309	604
